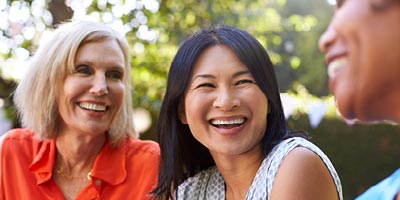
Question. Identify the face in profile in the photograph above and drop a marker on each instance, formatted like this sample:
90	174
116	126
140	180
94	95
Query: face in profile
225	109
362	47
93	94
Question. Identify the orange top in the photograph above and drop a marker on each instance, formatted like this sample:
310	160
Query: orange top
126	172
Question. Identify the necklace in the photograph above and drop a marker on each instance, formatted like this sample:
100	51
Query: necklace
60	171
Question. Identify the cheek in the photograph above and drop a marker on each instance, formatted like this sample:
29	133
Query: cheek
190	108
118	96
257	100
259	106
64	100
195	108
72	87
261	112
65	95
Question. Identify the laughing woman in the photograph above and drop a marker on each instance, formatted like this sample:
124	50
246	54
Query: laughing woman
362	48
222	129
78	140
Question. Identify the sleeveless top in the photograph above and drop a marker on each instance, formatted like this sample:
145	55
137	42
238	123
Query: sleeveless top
385	190
209	184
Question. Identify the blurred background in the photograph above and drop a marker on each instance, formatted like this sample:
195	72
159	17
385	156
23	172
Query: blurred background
288	29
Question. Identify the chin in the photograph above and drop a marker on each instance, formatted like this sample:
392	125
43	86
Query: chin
363	117
344	107
371	118
96	130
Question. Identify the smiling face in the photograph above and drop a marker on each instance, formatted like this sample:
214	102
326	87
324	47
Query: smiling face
93	94
362	46
225	109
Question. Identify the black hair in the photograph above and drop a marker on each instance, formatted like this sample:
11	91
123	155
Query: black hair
182	155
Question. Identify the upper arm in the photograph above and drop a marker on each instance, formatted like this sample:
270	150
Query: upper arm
303	175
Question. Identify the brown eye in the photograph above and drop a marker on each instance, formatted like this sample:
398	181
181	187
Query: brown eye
209	85
244	81
116	75
381	5
339	3
83	69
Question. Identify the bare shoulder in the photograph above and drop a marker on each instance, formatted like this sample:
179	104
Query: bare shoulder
303	175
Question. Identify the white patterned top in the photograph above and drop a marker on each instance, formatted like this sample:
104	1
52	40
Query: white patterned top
209	184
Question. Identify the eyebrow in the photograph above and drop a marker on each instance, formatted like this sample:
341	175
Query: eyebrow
114	65
236	74
239	73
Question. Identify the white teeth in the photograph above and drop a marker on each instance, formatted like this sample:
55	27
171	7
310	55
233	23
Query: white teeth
335	66
92	106
227	122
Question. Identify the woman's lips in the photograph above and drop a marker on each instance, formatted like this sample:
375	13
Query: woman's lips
219	123
97	107
336	66
228	126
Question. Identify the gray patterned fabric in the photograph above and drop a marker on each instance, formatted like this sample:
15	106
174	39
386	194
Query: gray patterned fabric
209	184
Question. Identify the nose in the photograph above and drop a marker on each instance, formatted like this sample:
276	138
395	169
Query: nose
99	86
327	39
226	100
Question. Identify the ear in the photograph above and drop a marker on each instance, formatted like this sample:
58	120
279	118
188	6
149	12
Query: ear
181	113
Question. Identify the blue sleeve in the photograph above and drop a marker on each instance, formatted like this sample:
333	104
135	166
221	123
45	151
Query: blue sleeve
387	189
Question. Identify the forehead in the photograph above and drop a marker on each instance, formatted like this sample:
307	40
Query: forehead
105	48
100	53
218	57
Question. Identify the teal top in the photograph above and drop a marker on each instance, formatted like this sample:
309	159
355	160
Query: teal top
385	190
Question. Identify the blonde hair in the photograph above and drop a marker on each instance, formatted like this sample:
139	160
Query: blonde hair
36	94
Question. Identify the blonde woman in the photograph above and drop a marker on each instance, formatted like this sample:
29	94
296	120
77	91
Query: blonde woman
78	140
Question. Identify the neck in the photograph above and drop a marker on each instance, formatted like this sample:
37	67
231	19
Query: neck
76	154
390	107
238	172
385	107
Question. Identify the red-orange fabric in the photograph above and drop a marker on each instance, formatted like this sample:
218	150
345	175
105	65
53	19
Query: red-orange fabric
126	172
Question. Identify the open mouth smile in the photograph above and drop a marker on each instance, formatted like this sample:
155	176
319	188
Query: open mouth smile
335	67
92	106
228	123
